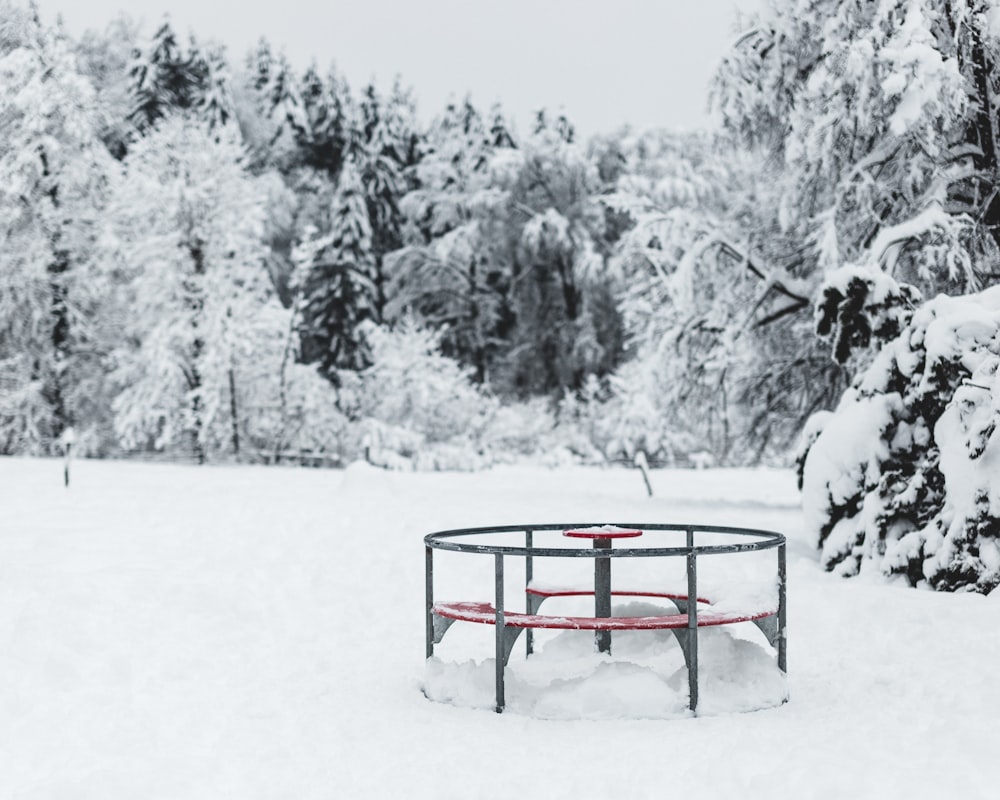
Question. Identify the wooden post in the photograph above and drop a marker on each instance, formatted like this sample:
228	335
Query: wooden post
643	466
233	412
68	439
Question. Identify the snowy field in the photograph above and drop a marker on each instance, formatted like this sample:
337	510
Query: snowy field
220	632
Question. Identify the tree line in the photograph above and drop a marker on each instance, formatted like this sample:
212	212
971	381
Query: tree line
224	257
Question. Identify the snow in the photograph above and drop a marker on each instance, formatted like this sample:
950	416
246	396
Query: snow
851	442
922	74
593	531
887	243
171	631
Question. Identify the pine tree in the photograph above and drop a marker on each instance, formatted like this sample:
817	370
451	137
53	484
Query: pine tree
164	78
338	290
216	101
500	134
317	114
269	91
899	476
167	79
384	153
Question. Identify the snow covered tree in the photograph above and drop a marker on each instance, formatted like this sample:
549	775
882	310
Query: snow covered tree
164	79
384	148
53	167
879	122
261	97
184	241
314	110
901	478
345	164
707	324
167	79
565	324
105	59
505	250
558	265
868	130
453	272
338	290
216	102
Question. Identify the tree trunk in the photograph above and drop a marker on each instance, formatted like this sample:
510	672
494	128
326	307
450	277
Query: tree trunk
571	297
478	350
57	269
233	411
196	303
279	444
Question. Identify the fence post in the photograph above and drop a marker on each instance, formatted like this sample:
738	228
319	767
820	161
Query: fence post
643	465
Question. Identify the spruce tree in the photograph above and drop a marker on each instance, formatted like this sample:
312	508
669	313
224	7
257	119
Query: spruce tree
337	286
383	153
317	113
167	79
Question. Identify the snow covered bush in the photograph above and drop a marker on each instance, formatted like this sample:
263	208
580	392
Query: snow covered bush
904	476
628	414
519	430
294	412
415	408
413	400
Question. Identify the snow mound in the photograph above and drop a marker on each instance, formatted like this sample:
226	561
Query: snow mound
645	678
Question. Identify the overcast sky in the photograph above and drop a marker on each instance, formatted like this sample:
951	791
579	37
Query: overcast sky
605	62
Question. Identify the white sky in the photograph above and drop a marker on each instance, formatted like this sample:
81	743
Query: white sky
605	62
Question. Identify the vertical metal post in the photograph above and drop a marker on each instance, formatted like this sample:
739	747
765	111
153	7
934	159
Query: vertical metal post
692	611
529	605
429	598
499	624
602	595
782	610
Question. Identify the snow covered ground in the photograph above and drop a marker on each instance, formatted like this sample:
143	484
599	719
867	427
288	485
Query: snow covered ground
221	632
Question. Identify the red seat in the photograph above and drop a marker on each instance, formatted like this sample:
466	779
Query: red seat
486	614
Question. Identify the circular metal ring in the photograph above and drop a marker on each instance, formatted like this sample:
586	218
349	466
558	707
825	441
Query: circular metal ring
444	540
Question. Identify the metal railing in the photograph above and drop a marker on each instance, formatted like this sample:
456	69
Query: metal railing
773	624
